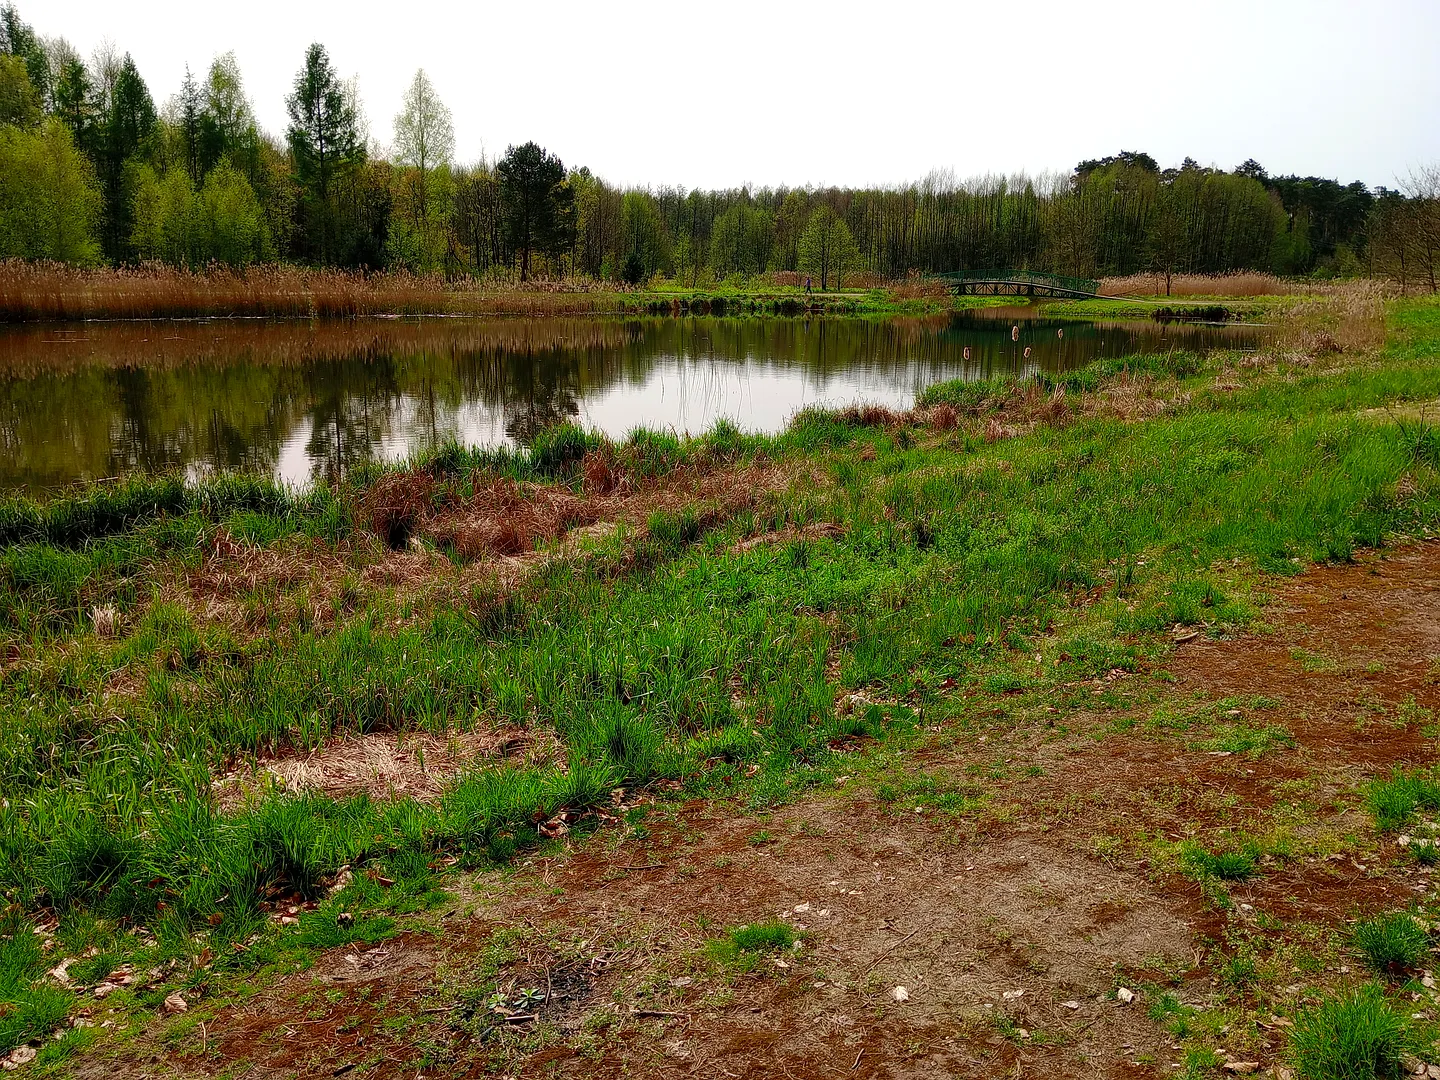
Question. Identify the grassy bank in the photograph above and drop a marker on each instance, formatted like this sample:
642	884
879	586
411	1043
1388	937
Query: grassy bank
726	616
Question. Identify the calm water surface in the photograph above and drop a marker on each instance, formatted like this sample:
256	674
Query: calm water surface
302	399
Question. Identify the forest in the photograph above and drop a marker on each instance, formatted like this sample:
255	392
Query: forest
93	171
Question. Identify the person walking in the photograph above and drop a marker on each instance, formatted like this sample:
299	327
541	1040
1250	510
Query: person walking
807	284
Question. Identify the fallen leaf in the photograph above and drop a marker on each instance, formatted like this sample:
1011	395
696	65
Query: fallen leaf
61	971
1125	995
1011	995
1070	1004
21	1055
1241	1068
900	994
175	1004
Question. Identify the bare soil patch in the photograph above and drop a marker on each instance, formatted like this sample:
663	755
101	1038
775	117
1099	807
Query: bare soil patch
1010	928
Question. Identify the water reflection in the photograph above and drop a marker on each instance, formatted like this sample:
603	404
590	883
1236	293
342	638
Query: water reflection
308	399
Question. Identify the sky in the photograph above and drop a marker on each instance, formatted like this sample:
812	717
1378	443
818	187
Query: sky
720	95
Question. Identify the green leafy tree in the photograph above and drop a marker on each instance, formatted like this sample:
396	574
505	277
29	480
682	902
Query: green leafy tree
18	39
425	142
164	226
324	141
537	203
227	123
1169	239
740	241
233	226
789	224
826	247
19	102
49	201
644	236
222	222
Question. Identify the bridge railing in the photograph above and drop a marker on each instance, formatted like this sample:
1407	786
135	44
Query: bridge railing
1028	277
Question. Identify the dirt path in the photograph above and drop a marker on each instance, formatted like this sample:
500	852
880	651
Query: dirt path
1010	928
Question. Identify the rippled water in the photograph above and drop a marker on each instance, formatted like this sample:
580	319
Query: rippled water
302	399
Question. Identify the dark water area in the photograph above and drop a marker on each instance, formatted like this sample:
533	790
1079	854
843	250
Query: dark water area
302	399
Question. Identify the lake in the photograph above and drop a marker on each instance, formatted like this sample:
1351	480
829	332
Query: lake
302	399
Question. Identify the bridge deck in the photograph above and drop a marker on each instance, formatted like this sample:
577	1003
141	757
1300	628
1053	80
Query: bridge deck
1017	283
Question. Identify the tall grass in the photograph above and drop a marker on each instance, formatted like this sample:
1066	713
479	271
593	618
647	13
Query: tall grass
1359	1036
1237	283
54	292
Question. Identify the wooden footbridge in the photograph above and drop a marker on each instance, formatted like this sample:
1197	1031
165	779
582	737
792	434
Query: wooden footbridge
1017	283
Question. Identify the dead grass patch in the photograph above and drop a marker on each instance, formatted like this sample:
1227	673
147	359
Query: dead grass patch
414	765
495	536
820	530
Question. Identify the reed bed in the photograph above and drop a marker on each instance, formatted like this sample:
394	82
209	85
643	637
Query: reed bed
1239	283
33	292
1348	318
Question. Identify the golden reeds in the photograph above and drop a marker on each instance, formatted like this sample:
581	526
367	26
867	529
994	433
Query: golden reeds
1238	283
53	292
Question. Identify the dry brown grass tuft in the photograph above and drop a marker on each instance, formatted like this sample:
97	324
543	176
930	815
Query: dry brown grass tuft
916	287
820	530
506	518
396	502
602	471
872	416
412	765
943	417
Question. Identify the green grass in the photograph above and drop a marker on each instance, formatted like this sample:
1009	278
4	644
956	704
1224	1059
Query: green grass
1393	800
1392	943
1235	865
744	947
1358	1036
679	655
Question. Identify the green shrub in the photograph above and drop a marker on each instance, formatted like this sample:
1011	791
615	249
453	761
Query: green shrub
1359	1036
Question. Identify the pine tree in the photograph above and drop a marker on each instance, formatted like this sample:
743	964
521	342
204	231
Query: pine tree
537	202
324	139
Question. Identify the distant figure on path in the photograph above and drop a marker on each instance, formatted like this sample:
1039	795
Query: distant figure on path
807	284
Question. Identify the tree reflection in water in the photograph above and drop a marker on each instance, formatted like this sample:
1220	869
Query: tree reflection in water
317	399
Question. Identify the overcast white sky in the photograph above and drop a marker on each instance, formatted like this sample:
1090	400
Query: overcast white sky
713	95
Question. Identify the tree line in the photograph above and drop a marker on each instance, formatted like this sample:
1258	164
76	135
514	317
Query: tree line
93	171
